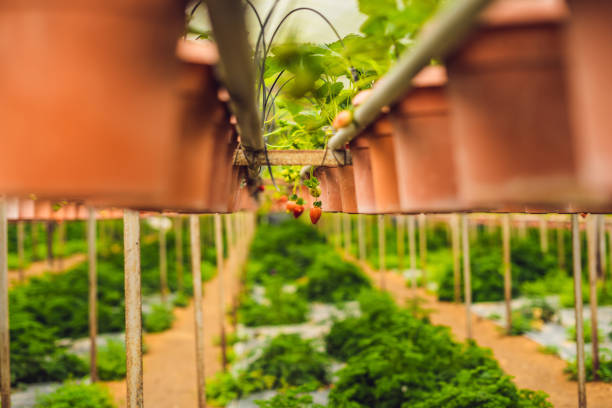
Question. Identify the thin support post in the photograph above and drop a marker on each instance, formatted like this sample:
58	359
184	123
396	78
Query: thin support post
507	271
412	248
561	247
381	250
20	237
361	237
582	403
229	229
456	244
230	232
221	278
61	232
423	247
467	275
601	247
592	264
347	233
93	294
163	262
198	312
522	229
133	309
5	350
337	230
543	234
178	249
401	237
34	231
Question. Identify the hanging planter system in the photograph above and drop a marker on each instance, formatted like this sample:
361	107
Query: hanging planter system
362	176
423	145
508	108
331	198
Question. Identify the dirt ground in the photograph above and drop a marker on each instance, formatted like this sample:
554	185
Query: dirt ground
517	355
169	366
40	267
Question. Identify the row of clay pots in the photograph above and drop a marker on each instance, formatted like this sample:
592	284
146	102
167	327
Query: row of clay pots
121	123
497	134
43	210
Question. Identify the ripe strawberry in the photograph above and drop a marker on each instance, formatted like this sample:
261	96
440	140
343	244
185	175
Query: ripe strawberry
583	215
315	214
342	119
298	209
261	187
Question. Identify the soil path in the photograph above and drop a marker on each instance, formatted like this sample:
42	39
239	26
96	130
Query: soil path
517	355
40	267
169	366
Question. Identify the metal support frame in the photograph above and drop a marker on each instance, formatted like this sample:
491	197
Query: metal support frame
577	267
198	312
133	309
592	265
221	279
467	284
93	294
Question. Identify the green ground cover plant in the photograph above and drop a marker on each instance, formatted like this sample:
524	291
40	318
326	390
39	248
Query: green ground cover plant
72	395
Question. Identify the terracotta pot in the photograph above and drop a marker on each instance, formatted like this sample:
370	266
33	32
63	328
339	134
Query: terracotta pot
509	113
589	65
82	212
382	157
308	199
331	199
26	209
87	107
346	181
70	211
424	147
43	210
12	208
362	176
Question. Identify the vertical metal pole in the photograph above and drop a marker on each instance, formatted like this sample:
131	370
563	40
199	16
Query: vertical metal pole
163	262
592	265
221	277
561	246
361	237
20	236
507	271
381	250
178	249
467	274
423	247
544	233
133	309
5	358
401	238
456	243
412	248
347	233
578	310
93	294
601	247
196	273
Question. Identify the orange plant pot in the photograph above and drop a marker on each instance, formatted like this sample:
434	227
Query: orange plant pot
26	209
12	208
589	66
424	147
508	108
43	210
382	158
346	181
331	200
87	107
362	176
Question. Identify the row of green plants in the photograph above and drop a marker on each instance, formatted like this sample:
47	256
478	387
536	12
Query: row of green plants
391	356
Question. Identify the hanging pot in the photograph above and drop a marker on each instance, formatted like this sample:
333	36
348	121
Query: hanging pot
331	199
43	210
87	107
382	158
26	209
424	147
346	181
508	108
589	66
362	175
12	208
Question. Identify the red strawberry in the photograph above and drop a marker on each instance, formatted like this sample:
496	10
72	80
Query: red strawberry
261	187
342	119
315	214
298	209
290	206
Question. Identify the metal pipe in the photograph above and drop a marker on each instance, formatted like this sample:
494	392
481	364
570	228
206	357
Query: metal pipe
455	240
5	349
198	312
467	284
578	312
601	247
437	39
507	271
381	250
93	294
133	309
221	278
178	247
163	262
592	265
